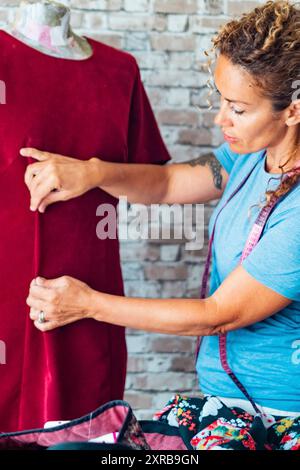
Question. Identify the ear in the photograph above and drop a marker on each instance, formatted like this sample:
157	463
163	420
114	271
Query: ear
293	113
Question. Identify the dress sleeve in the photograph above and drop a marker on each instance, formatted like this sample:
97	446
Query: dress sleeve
275	260
145	144
225	156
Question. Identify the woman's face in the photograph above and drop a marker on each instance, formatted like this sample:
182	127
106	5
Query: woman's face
244	115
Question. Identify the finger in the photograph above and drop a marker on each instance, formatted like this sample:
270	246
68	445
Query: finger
36	304
54	196
33	282
34	314
35	153
39	281
48	283
32	170
41	187
47	326
43	174
52	283
41	293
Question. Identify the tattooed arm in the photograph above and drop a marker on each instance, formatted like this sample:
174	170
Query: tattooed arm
198	181
216	168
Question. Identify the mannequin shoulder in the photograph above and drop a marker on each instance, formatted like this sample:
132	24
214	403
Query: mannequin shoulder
112	56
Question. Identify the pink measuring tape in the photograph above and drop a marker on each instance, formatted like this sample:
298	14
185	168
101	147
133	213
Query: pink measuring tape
252	240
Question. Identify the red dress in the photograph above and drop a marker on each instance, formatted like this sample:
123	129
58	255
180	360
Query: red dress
96	107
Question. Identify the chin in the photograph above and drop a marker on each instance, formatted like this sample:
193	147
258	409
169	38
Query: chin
236	147
240	148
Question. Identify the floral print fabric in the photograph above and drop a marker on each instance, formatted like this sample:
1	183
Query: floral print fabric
208	424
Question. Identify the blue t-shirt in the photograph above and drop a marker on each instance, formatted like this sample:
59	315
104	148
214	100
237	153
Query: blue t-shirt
265	356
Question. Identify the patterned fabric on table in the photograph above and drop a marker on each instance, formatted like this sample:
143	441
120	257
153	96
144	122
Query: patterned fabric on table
208	424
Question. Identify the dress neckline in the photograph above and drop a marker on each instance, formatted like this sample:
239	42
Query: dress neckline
44	54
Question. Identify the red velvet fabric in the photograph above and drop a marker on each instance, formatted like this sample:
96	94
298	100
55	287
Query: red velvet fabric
96	107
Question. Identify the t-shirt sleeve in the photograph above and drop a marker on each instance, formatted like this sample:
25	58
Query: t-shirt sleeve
225	156
145	144
275	260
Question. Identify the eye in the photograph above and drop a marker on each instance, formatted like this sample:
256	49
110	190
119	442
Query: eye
232	108
237	112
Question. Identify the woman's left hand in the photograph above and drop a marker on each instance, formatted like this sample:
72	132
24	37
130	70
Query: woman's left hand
63	300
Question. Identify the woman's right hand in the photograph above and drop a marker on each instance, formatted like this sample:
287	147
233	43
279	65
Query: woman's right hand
57	178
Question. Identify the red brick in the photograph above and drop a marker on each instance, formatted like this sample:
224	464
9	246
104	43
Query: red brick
182	117
182	363
195	137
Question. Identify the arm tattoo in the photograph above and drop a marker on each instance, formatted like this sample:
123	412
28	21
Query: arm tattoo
213	163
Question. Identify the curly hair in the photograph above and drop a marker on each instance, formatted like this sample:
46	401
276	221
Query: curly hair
266	43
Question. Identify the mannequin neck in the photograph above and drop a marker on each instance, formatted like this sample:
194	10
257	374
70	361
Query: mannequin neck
45	25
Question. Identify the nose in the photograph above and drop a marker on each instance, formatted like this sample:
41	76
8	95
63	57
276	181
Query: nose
222	119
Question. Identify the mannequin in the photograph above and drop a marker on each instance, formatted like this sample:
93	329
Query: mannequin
45	26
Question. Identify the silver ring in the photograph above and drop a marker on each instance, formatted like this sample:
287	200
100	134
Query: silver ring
41	318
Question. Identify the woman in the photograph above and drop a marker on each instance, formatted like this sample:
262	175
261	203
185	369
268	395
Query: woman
256	302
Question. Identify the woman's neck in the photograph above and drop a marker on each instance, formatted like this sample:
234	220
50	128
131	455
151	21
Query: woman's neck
45	25
284	154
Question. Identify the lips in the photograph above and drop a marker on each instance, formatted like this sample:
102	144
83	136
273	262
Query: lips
229	138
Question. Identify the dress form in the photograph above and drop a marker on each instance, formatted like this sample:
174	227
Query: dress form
45	26
77	108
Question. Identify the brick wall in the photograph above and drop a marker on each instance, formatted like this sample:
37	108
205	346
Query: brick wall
168	38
